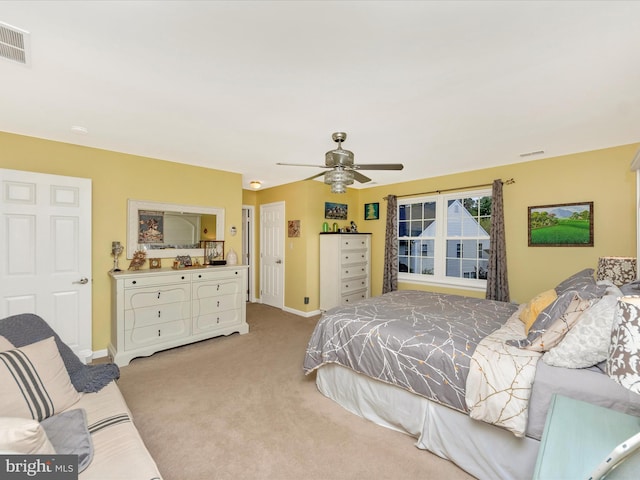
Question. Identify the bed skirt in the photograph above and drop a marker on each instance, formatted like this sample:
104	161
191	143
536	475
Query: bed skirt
482	450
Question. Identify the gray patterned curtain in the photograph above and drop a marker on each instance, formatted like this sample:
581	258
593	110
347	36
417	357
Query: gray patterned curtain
390	277
497	281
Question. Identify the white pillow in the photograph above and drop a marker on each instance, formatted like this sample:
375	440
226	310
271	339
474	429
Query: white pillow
24	436
587	343
35	382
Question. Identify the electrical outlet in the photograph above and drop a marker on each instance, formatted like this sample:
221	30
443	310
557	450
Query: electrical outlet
306	300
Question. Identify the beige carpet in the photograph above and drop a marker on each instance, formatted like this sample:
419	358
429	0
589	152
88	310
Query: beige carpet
240	407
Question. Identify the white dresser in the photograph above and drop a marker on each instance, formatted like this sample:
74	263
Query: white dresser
152	310
345	268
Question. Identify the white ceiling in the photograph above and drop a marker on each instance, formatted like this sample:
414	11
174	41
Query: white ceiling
442	87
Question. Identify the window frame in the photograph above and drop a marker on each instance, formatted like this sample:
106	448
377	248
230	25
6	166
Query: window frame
439	278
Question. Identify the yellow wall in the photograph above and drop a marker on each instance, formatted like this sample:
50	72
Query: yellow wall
303	201
117	177
601	176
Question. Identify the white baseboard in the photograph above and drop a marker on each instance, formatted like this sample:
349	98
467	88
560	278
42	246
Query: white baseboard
301	313
101	353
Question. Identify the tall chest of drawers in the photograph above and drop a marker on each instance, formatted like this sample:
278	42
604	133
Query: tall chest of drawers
152	310
345	268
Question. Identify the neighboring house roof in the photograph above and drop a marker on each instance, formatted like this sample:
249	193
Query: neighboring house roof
459	222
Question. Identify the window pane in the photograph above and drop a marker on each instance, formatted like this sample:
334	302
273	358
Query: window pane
427	266
403	229
453	267
454	218
403	263
416	228
429	210
403	212
469	269
469	249
429	228
403	247
416	211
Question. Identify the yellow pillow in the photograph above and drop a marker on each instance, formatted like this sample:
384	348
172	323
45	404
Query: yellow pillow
538	303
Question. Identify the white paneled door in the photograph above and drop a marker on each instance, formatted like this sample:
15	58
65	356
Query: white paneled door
45	252
272	254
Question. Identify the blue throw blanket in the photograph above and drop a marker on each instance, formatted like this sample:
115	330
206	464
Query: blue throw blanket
27	328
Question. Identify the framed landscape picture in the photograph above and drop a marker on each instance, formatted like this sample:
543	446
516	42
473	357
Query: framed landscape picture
561	225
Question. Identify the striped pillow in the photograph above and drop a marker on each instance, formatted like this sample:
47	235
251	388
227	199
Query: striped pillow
35	382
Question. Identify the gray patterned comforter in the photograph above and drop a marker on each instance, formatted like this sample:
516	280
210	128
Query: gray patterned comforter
420	341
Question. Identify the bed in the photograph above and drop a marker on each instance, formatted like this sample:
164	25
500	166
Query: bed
470	379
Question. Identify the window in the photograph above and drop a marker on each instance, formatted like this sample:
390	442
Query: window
445	238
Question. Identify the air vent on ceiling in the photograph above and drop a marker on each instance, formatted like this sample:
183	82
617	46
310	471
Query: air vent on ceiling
14	44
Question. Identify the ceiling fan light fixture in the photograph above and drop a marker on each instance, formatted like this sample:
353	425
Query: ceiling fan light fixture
339	179
255	184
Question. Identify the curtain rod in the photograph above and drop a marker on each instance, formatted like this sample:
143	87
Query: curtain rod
506	182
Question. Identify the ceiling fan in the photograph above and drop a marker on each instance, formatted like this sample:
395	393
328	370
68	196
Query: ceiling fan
343	171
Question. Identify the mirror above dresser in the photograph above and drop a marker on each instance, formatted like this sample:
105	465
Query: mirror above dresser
166	230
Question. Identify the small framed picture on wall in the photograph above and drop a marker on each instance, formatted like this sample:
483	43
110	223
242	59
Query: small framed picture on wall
371	211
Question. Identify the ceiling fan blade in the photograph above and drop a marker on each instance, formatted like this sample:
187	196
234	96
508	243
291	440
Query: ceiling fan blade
302	165
315	176
378	166
360	177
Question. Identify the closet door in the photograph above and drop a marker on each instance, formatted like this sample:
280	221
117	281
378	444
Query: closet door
45	252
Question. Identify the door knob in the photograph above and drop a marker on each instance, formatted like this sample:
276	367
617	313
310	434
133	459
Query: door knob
278	261
82	281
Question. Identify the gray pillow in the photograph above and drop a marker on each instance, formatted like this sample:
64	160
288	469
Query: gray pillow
546	319
587	343
577	281
69	435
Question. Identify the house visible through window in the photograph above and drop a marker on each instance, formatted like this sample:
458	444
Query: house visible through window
445	238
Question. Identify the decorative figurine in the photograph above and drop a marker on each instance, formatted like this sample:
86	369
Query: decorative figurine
354	227
139	257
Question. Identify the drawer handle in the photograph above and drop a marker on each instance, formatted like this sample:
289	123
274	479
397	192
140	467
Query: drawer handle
217	319
158	294
182	278
346	271
218	287
346	286
134	282
347	257
199	276
218	303
158	313
158	332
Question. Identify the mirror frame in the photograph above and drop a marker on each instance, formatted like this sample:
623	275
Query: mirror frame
132	226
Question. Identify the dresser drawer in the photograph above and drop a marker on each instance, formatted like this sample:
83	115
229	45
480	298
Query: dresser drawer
145	316
354	297
356	256
213	274
212	321
354	271
160	333
215	289
207	305
142	281
353	284
150	297
347	243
